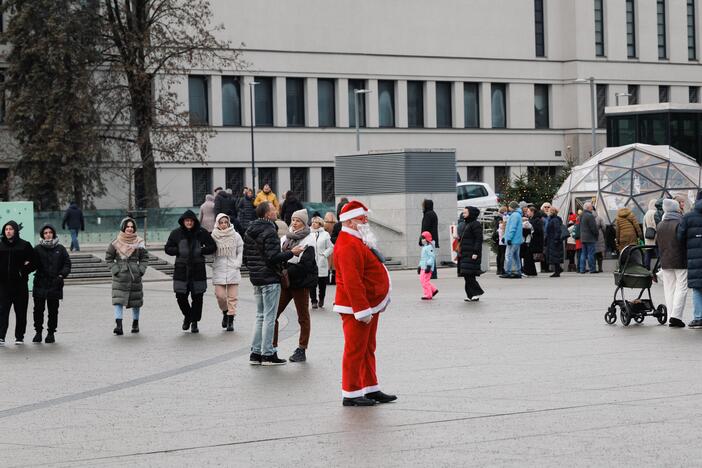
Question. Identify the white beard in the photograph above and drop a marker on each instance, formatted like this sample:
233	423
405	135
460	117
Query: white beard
367	235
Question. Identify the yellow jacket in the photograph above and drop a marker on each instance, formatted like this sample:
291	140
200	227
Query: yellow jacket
271	198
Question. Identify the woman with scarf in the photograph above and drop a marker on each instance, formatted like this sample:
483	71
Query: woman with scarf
128	260
302	274
470	254
53	266
226	268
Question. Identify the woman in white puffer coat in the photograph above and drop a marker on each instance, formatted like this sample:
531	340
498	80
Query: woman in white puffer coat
324	251
226	268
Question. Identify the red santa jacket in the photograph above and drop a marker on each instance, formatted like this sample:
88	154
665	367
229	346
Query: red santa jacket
362	281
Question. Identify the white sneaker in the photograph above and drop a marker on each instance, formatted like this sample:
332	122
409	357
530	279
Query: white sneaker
19	342
2	341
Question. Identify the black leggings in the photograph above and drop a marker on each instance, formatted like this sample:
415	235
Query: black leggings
53	306
192	313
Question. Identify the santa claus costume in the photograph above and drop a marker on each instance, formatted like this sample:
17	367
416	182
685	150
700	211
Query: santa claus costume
362	293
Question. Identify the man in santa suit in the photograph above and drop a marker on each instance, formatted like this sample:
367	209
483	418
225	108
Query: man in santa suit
362	293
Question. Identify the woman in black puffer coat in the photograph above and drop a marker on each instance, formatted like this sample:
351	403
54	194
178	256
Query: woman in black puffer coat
554	242
189	244
53	266
471	254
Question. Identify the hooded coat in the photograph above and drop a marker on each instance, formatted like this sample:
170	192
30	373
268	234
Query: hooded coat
189	246
127	287
225	203
247	211
53	266
207	213
471	244
627	228
13	255
226	269
513	230
554	240
690	233
430	222
536	245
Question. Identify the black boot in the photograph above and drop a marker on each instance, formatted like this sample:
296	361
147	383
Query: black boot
230	323
118	329
37	337
224	319
50	338
193	328
135	326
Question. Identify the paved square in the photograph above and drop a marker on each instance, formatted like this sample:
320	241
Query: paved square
529	376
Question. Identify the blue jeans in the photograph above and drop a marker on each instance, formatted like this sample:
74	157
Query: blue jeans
512	260
587	254
267	298
119	312
697	303
74	240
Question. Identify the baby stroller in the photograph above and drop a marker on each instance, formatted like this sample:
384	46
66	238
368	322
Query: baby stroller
631	273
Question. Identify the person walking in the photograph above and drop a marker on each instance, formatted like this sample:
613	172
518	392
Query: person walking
266	195
17	261
554	241
53	266
264	259
302	275
74	221
362	294
513	239
226	268
690	233
430	224
128	259
207	213
189	244
246	209
427	264
471	251
324	249
588	237
290	205
673	262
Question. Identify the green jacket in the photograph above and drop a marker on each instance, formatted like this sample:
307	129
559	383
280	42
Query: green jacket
127	289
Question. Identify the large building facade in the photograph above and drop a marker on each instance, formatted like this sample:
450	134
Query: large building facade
504	82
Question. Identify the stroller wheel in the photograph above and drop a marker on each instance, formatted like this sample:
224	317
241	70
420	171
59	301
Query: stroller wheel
662	314
624	314
638	318
611	315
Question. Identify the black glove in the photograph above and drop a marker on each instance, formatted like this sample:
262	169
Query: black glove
427	269
509	242
419	270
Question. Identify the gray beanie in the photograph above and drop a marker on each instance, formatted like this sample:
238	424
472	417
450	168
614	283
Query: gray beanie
523	204
301	214
670	205
513	205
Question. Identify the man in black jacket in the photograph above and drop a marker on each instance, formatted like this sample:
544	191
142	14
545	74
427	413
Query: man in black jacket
430	223
588	236
16	263
73	219
189	244
263	258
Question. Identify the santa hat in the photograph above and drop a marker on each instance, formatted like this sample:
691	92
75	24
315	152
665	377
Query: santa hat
427	235
353	209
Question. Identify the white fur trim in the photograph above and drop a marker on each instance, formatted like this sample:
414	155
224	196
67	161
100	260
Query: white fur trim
352	214
373	310
353	232
361	392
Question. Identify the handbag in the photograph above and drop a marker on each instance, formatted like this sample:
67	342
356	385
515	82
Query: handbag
456	244
539	257
650	233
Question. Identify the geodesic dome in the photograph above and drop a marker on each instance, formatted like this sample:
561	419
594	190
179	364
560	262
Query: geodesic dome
629	176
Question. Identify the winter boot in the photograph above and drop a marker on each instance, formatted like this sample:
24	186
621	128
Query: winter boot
224	319
230	323
193	328
135	326
118	329
50	338
37	337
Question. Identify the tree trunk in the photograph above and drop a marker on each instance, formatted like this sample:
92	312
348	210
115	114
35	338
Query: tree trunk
151	198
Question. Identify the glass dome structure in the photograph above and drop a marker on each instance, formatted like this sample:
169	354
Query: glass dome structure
629	176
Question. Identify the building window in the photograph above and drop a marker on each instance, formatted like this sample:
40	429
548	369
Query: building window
443	105
202	185
633	92
295	99
474	174
354	85
298	182
498	99
328	185
599	28
630	29
326	102
268	175
694	94
601	104
471	105
263	101
231	101
691	31
386	103
4	184
198	102
539	28
660	11
415	104
664	93
234	179
501	178
541	116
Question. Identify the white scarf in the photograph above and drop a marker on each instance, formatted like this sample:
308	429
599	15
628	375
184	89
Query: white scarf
226	241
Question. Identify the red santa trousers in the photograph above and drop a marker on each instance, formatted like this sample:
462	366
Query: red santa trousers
358	365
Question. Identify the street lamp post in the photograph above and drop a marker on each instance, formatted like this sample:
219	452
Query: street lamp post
618	95
356	92
253	122
592	109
